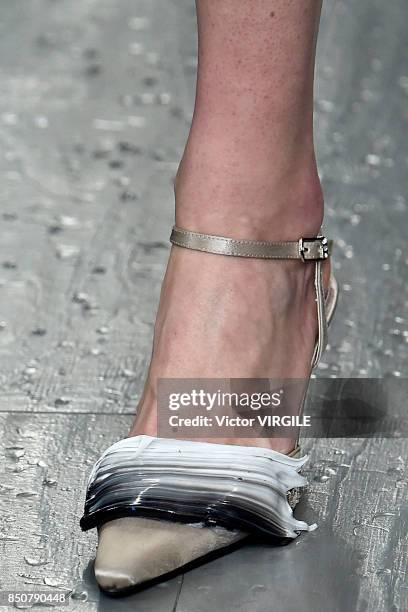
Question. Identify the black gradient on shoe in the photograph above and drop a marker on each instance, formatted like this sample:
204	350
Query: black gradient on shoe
236	487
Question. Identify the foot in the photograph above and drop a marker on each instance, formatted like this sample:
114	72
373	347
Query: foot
218	317
226	317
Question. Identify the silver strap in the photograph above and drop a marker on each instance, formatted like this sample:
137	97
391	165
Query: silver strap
322	333
305	249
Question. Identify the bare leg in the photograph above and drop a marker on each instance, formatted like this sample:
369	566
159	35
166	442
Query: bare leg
249	166
248	171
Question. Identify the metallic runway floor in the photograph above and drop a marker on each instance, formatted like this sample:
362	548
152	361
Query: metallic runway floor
96	100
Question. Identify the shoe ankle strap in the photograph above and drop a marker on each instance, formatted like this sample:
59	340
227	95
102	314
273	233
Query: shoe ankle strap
305	249
314	250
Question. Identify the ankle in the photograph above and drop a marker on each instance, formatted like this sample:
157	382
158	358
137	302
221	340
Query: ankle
282	200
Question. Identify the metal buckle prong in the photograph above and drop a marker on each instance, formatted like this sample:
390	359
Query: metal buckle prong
301	250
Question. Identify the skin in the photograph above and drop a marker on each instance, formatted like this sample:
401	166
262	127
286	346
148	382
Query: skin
248	171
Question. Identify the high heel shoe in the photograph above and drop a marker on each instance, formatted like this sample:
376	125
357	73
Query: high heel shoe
162	505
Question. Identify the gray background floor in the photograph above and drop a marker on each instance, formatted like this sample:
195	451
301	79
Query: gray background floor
96	99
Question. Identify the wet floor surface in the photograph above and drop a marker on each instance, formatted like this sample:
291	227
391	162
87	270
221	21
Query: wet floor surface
96	100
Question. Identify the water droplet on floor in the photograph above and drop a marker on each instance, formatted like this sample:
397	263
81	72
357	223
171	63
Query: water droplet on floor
79	595
383	571
66	251
62	401
383	514
35	562
258	588
66	344
10	216
68	221
39	331
54	229
18	469
146	98
4	537
158	155
27	494
99	270
136	121
403	82
6	488
164	98
81	298
15	452
41	121
116	163
128	196
325	106
321	478
50	482
93	70
395	471
25	433
177	112
395	332
373	160
122	181
30	371
136	48
355	220
9	118
129	148
126	373
84	300
113	393
52	582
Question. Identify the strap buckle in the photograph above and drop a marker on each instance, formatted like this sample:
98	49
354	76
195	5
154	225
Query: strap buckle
314	249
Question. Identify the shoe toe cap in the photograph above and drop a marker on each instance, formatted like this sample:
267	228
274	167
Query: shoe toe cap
135	550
